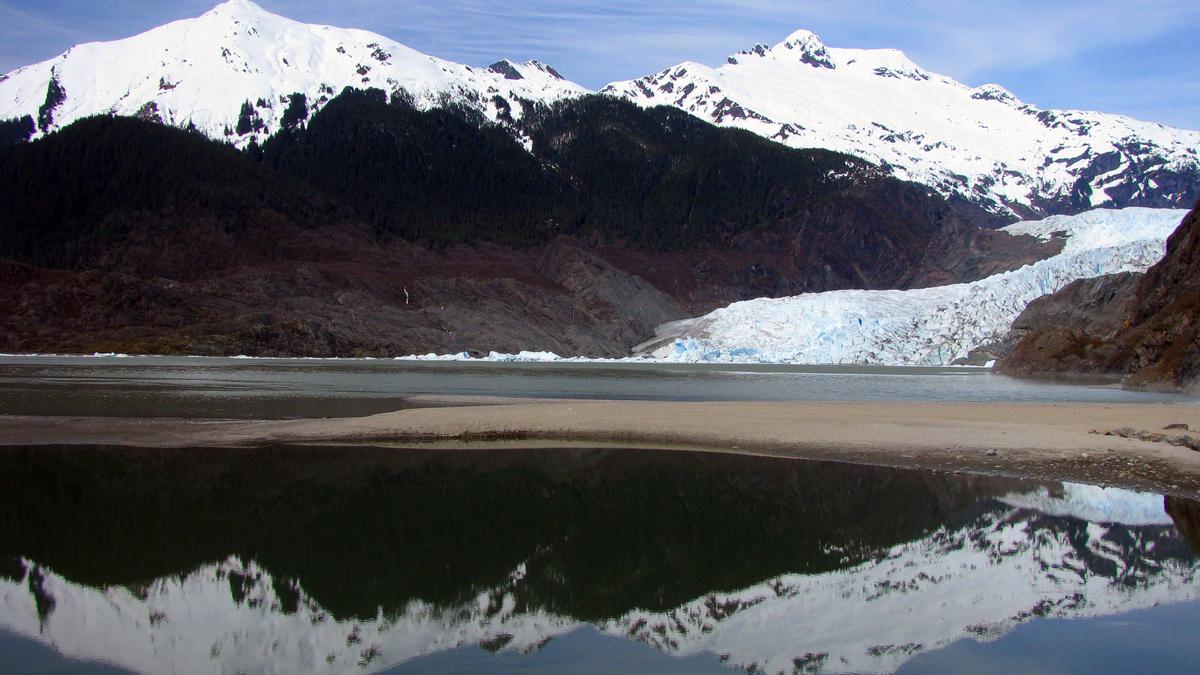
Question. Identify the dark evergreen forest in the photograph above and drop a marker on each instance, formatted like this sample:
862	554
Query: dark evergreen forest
81	188
599	166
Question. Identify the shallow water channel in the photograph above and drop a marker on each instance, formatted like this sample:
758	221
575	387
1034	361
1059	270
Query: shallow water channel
282	388
309	559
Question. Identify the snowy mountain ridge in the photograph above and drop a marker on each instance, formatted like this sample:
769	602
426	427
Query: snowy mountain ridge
925	326
981	143
201	71
1009	566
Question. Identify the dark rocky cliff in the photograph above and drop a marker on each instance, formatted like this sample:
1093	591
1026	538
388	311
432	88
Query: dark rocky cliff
1142	328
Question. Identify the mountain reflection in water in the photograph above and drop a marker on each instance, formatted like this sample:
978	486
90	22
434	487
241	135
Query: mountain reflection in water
335	559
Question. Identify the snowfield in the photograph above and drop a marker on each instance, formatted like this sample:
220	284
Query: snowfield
921	327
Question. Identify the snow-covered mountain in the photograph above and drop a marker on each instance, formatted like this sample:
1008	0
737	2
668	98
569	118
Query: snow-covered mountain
231	73
978	143
926	326
202	71
1036	557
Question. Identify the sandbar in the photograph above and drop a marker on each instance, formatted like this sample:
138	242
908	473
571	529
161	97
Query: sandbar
1054	441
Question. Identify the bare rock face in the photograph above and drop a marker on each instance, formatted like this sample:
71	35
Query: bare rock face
336	292
1139	327
626	304
1089	306
1161	346
1063	324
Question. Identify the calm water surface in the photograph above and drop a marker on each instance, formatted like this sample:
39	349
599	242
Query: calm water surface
279	388
573	560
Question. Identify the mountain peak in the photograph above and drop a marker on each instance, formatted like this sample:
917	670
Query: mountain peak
237	66
545	68
507	69
237	7
808	47
803	45
512	70
994	92
803	37
238	11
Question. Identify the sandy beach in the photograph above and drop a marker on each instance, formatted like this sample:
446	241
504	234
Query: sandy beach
1063	441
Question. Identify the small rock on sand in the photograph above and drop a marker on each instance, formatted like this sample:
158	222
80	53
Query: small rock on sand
1185	442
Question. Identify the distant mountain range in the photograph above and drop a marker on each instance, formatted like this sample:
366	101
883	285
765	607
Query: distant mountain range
981	144
236	72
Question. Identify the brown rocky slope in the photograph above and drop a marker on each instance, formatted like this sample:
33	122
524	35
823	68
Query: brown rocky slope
336	290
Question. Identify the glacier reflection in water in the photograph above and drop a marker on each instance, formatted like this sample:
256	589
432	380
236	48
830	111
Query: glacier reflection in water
359	559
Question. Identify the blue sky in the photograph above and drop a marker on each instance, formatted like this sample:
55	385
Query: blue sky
1133	57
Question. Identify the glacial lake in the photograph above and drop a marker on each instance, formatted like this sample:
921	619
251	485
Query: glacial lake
347	559
283	388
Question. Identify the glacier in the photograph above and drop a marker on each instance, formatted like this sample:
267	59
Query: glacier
920	327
